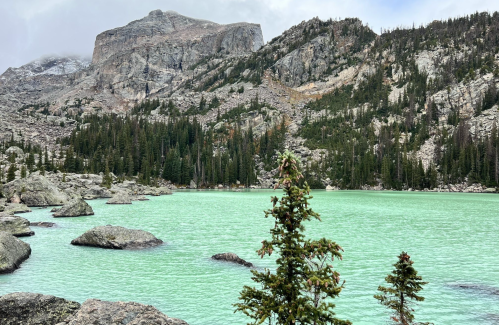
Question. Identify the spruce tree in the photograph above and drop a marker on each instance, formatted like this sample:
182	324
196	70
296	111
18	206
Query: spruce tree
405	284
11	173
299	291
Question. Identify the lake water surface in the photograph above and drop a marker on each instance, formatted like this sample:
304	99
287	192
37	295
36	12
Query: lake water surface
452	237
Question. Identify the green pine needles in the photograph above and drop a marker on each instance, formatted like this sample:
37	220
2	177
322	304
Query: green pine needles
300	290
406	283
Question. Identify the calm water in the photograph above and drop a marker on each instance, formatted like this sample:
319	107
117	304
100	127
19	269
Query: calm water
452	238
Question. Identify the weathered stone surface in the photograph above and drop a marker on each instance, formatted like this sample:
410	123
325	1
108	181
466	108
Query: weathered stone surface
12	252
13	208
75	208
117	237
14	150
231	257
15	225
97	312
193	184
120	198
23	308
35	190
98	192
42	224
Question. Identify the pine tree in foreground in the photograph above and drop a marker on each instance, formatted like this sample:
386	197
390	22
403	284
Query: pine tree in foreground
301	288
406	283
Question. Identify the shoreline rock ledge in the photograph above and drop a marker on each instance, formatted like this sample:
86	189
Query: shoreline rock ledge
231	257
12	253
14	225
116	237
33	308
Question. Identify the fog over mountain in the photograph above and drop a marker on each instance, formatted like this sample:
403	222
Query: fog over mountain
30	29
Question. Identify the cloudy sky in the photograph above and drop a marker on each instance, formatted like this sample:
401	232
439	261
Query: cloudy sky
33	28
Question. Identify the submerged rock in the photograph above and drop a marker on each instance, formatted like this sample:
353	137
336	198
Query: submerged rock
139	198
43	224
34	309
120	198
97	312
231	257
117	237
35	191
12	252
15	225
477	288
75	208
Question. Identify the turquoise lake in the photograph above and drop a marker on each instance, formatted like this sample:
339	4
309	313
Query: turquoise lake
452	237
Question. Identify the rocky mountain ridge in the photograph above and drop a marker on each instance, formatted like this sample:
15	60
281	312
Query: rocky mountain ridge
422	83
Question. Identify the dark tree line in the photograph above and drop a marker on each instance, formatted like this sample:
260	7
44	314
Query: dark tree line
179	150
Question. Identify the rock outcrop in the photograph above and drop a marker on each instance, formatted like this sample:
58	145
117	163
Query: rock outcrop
97	312
35	191
148	56
117	237
12	208
12	252
23	308
74	208
120	198
15	225
231	257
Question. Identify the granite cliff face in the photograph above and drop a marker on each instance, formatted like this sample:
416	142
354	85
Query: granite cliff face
147	57
444	76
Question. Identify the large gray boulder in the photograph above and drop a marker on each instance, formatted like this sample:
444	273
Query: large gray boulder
36	190
97	312
16	150
12	252
12	208
23	308
120	198
74	208
15	225
117	237
97	192
231	257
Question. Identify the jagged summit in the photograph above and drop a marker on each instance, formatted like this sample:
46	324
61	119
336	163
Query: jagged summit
170	26
48	65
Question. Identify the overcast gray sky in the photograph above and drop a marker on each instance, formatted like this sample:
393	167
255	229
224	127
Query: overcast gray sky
30	29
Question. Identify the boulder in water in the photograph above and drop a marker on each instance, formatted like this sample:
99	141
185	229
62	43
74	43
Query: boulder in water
12	252
75	208
231	257
34	309
117	237
97	312
13	208
42	224
15	225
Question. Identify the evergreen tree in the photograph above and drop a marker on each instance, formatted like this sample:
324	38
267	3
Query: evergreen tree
23	171
406	283
299	290
11	173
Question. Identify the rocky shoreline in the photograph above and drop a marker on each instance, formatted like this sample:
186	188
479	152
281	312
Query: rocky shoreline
34	308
